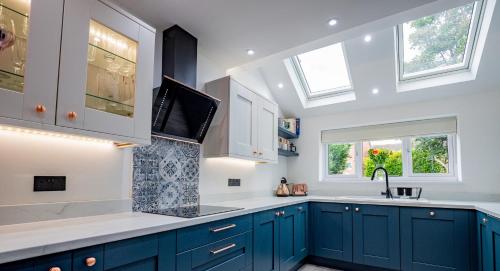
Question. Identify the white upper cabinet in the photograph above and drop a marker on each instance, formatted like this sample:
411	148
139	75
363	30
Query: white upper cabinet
29	59
268	130
245	125
93	77
106	73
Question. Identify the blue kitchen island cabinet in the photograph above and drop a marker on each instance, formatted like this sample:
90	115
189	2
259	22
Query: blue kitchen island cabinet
488	237
331	231
281	238
376	236
434	239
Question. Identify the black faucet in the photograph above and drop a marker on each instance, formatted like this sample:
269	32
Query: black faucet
387	193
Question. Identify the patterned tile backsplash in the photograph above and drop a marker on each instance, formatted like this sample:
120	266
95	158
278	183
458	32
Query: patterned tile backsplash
166	174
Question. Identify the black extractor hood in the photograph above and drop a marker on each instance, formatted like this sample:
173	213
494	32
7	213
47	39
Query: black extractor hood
180	111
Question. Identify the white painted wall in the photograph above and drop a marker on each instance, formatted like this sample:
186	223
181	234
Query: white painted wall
478	134
94	171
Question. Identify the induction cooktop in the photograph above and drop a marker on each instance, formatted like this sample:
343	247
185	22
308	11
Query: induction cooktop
193	211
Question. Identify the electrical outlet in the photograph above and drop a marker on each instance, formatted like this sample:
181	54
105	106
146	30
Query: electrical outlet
49	183
234	182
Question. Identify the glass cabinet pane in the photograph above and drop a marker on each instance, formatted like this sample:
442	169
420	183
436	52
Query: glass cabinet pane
111	71
14	29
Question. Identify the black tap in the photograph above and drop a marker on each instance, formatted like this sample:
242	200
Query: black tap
387	193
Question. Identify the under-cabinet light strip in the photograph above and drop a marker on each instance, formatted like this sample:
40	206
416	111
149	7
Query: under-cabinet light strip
52	134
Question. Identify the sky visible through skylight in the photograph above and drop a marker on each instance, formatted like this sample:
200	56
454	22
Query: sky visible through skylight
325	69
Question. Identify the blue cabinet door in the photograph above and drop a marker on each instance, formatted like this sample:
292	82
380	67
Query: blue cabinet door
376	236
287	223
136	254
301	233
485	246
266	241
293	236
26	265
488	236
332	231
435	239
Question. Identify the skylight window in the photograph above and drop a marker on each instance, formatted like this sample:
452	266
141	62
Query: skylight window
323	72
438	43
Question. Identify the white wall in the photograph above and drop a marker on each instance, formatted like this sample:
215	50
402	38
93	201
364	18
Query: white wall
94	171
478	134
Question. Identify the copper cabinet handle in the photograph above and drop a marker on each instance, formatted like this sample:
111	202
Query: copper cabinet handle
356	209
40	108
347	208
215	252
300	208
55	269
230	226
282	213
90	261
432	213
485	220
72	115
278	213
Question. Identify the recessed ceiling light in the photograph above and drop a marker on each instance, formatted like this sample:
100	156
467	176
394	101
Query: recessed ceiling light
332	22
250	52
375	91
368	38
280	85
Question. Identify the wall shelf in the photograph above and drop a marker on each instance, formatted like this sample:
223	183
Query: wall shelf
284	133
287	153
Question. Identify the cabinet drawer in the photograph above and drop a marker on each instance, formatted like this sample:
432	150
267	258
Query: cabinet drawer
62	260
88	259
234	253
129	251
200	235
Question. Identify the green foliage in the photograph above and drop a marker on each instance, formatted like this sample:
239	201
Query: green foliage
430	155
390	160
337	158
441	39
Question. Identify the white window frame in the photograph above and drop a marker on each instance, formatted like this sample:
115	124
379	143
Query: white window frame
408	175
437	72
358	166
325	93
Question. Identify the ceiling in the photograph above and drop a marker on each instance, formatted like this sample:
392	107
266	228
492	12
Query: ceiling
227	28
373	65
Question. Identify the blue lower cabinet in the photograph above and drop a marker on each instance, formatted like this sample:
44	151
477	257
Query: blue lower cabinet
266	239
293	230
88	259
26	265
332	231
436	239
61	261
230	254
167	247
376	236
488	236
138	253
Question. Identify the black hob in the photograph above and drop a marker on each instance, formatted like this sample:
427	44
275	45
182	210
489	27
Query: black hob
193	211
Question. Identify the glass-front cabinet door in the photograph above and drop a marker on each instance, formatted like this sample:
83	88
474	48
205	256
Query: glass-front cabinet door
105	82
30	34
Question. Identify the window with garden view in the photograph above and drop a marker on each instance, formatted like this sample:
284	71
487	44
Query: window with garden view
438	43
409	157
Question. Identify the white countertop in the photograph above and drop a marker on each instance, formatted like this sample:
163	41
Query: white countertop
22	241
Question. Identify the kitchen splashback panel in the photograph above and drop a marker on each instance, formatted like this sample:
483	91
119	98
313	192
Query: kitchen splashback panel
166	174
